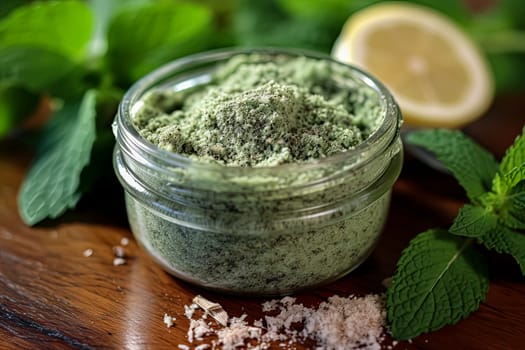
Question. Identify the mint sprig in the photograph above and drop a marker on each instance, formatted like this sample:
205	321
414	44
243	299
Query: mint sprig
83	55
441	277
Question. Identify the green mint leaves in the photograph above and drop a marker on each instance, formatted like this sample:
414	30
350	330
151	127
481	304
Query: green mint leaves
34	51
143	37
51	186
36	25
83	56
473	167
441	277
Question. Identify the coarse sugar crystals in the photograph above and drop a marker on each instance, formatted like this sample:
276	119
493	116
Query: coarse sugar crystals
339	323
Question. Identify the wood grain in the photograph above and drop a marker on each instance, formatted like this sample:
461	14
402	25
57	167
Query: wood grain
53	297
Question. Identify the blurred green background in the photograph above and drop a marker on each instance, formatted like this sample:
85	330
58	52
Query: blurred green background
65	65
119	40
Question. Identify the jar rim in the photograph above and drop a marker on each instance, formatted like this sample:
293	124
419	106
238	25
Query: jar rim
360	154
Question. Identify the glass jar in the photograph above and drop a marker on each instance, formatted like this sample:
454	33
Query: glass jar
255	230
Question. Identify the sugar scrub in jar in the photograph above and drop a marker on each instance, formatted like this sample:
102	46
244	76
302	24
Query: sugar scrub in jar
258	172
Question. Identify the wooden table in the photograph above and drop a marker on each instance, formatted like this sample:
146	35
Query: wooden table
54	297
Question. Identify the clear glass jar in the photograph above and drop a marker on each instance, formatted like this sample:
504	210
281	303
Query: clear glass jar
255	230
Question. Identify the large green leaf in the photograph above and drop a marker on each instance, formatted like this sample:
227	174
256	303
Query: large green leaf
51	185
440	279
142	38
473	166
62	27
104	11
32	67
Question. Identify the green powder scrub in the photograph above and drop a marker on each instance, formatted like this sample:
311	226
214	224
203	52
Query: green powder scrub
260	172
258	113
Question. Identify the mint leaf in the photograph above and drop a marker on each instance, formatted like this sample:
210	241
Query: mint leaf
104	11
63	27
142	38
503	183
512	212
473	166
440	279
51	186
509	185
473	221
505	240
32	67
512	167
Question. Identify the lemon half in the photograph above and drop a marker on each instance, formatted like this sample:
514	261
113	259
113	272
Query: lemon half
435	72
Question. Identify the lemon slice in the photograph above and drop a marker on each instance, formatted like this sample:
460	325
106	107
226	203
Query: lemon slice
435	72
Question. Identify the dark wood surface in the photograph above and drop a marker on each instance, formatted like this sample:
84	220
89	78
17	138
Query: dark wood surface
53	297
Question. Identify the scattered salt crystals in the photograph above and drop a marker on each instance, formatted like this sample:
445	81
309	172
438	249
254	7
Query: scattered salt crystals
183	347
88	252
124	241
120	254
189	310
198	329
203	347
270	305
169	320
345	323
118	251
340	323
119	261
237	333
